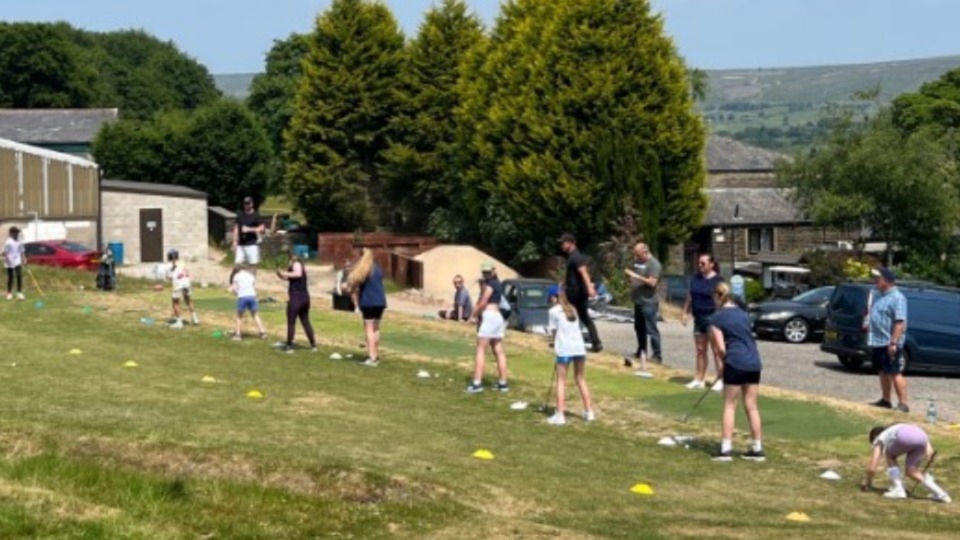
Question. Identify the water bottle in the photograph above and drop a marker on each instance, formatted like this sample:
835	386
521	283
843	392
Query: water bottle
932	412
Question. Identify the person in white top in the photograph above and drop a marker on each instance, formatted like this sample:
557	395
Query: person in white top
180	278
13	260
243	284
568	344
891	442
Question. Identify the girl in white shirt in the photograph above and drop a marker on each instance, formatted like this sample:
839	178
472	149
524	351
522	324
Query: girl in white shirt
569	347
242	283
13	262
891	442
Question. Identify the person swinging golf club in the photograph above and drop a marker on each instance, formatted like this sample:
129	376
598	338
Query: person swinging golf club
564	326
13	261
893	441
180	278
732	339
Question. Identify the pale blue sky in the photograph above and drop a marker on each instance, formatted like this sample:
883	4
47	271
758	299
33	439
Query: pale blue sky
232	36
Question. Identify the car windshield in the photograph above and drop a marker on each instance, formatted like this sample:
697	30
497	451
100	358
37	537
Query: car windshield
534	297
74	247
814	296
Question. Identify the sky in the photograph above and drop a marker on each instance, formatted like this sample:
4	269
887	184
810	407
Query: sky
233	36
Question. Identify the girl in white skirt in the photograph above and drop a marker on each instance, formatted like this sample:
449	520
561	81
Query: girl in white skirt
492	329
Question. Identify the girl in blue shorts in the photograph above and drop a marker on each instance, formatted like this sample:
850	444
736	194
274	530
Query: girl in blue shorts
242	283
570	349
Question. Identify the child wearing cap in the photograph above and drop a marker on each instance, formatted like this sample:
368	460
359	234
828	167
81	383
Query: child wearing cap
180	279
13	258
569	347
242	284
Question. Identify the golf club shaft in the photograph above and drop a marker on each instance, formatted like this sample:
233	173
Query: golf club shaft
553	381
706	391
34	280
926	467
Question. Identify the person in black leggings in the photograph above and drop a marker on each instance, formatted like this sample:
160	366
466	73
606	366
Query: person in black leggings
13	259
298	305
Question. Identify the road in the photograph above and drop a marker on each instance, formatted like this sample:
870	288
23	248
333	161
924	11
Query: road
800	367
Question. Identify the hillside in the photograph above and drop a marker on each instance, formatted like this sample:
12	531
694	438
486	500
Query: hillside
774	107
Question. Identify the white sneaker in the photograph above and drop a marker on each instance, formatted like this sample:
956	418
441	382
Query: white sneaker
178	324
9	296
945	499
589	416
557	419
895	493
196	320
20	296
695	384
717	386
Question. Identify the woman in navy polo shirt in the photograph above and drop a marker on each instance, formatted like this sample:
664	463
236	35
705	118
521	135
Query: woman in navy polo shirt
366	287
701	304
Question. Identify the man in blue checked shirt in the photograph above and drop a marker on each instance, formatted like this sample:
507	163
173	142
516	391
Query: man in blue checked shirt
888	324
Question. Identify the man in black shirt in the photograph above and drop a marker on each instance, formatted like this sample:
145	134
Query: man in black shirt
578	286
246	234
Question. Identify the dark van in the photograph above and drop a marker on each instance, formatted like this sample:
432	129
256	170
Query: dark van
933	326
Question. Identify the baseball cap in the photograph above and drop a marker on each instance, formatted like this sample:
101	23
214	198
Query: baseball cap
567	237
248	200
554	290
884	272
486	266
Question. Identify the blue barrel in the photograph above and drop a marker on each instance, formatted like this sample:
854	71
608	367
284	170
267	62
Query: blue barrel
117	249
301	250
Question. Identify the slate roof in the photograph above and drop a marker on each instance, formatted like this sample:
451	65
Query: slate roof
757	206
730	155
151	188
54	126
43	152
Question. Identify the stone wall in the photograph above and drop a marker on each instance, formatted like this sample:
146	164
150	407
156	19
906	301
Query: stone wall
184	223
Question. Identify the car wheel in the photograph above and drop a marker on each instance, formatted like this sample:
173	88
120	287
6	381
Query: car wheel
850	362
796	330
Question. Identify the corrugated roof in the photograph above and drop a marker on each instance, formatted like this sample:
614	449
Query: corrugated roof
751	206
43	152
726	154
54	126
151	188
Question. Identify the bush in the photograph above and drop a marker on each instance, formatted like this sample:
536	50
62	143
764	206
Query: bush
753	290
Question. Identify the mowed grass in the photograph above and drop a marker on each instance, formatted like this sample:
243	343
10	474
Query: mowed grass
94	449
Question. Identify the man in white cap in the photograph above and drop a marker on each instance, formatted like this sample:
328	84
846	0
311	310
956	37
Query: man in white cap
888	326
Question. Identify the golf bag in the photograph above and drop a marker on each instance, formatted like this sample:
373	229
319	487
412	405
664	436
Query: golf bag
107	274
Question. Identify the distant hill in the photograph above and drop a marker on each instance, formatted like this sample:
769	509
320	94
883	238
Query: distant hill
773	107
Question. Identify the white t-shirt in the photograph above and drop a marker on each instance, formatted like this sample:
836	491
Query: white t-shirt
179	275
243	284
12	253
887	436
567	341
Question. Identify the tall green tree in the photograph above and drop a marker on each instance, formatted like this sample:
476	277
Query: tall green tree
556	80
273	92
418	168
334	145
41	67
936	104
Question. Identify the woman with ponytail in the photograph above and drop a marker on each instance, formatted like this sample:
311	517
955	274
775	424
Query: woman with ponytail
570	348
366	287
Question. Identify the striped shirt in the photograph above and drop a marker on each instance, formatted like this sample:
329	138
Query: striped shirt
888	308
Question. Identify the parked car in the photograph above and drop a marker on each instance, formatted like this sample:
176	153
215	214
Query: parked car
932	341
529	303
62	253
795	320
675	288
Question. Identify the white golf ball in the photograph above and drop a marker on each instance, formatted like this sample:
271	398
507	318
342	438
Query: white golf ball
686	446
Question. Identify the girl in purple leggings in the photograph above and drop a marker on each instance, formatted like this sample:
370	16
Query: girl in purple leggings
892	442
298	305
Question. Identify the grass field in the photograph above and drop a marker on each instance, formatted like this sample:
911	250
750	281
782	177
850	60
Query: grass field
95	449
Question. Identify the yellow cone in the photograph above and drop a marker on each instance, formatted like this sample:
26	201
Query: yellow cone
130	363
75	351
798	516
642	489
483	454
254	394
208	379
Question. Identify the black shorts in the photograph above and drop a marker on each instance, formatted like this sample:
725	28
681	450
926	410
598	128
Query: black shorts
738	377
372	313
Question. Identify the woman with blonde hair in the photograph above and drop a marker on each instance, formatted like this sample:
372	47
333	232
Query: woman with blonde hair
491	331
732	339
569	347
365	282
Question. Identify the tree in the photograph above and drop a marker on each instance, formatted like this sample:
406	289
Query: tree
418	161
220	149
558	85
937	103
41	67
334	145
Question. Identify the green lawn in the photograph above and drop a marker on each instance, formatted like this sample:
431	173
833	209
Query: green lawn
94	449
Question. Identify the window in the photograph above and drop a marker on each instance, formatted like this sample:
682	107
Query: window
760	239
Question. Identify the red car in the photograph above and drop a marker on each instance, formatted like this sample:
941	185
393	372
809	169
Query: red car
62	253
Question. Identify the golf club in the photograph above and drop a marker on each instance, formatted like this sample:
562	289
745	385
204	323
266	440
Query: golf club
553	380
706	391
923	473
34	280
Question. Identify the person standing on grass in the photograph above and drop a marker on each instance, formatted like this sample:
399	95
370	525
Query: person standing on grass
246	234
888	326
366	287
569	347
891	442
13	260
462	303
644	276
701	304
491	330
298	303
243	284
180	279
579	287
732	338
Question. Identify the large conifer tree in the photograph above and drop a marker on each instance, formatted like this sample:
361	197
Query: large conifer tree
349	93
